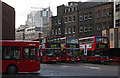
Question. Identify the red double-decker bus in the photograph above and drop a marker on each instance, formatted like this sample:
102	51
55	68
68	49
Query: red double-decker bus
50	49
114	55
93	49
19	56
70	49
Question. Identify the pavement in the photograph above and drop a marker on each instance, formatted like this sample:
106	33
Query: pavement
72	70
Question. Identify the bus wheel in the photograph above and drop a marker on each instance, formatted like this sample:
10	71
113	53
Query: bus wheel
12	69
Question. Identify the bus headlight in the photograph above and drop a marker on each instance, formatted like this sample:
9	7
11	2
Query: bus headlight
67	58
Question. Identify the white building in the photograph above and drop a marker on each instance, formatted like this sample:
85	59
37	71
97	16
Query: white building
32	33
19	33
39	18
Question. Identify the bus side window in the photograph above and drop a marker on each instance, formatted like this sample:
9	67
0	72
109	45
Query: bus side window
10	52
29	52
32	53
25	53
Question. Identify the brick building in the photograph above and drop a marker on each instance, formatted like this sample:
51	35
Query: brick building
8	22
83	19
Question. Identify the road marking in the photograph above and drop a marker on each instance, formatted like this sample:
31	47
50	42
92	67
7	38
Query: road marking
95	68
65	66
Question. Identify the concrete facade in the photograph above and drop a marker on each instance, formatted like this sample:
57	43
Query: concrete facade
32	33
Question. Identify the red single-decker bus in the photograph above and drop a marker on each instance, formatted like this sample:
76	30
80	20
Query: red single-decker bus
19	56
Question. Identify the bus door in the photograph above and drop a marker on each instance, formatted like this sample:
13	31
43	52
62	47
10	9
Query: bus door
28	58
63	54
85	50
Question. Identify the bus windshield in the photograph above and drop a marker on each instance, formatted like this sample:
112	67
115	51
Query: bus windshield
53	52
73	53
72	40
53	40
101	40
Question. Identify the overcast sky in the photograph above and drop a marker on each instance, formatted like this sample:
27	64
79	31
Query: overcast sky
23	7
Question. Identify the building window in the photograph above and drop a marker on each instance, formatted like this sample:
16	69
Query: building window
74	8
73	29
109	11
90	27
98	14
59	21
111	35
73	19
85	16
69	19
90	16
81	17
81	29
55	21
104	13
70	9
85	28
56	32
66	19
98	26
66	10
65	30
69	30
59	31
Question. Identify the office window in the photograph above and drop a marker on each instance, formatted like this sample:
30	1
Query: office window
52	32
73	19
66	10
56	32
81	29
90	27
66	19
109	11
98	26
74	8
59	31
70	9
73	29
98	14
69	30
81	17
85	28
90	16
55	21
104	13
69	19
65	30
59	21
85	16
